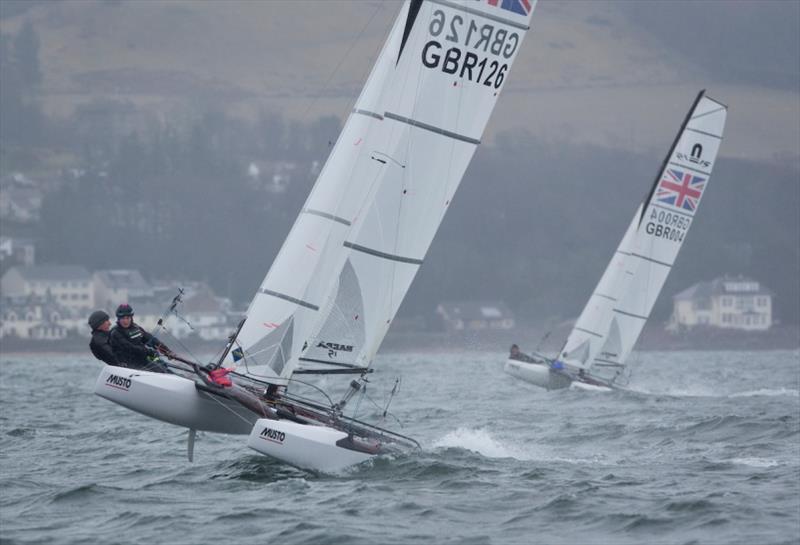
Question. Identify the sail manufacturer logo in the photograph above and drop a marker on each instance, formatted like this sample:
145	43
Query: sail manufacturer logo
273	435
335	346
121	383
695	157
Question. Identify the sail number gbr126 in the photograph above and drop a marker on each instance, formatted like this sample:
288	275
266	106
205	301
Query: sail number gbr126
465	49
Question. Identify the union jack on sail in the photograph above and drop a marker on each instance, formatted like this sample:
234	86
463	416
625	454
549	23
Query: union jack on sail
522	7
680	189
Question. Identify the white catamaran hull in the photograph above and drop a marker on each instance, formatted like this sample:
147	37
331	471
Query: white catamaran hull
306	446
538	374
173	399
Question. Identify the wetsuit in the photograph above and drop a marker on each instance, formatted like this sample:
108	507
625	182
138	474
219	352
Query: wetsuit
132	347
100	345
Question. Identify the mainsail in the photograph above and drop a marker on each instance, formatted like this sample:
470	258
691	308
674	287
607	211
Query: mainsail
345	267
612	321
454	63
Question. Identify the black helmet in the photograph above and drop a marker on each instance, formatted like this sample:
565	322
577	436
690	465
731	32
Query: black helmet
97	318
124	310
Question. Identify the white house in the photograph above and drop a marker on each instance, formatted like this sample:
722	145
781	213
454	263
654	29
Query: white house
34	317
115	286
727	303
69	285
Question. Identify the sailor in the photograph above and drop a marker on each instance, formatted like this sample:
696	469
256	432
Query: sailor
518	355
135	347
100	345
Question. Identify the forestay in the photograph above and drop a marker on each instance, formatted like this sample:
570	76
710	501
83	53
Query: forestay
455	61
646	256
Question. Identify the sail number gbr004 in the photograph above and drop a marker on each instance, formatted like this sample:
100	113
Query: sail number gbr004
667	225
472	49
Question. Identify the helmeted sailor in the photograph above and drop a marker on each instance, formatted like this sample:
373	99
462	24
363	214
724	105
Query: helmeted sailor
100	345
133	346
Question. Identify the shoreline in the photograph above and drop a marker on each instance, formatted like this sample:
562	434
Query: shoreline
784	337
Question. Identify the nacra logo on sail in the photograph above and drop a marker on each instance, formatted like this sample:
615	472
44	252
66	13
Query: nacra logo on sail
335	346
118	382
273	435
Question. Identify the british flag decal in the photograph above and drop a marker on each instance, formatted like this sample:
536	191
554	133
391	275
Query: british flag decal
680	189
522	7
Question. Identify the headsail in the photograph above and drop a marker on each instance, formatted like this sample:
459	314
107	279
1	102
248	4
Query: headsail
613	318
286	307
591	330
455	61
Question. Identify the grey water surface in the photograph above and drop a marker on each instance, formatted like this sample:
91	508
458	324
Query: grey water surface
705	450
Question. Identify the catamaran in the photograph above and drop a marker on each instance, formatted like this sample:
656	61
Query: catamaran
335	286
594	354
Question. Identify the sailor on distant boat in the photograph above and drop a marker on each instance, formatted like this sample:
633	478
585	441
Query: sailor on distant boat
100	345
135	347
518	355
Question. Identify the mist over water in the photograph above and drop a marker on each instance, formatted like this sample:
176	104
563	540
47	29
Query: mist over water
705	449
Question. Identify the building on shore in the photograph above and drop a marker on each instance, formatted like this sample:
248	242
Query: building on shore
734	303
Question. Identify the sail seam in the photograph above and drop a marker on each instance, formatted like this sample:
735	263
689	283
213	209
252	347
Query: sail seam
698	131
604	296
368	113
431	128
657	262
326	215
289	298
618	311
479	13
671	210
607	363
589	332
336	363
383	255
720	109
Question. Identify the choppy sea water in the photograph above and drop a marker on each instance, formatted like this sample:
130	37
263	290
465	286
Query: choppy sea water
706	450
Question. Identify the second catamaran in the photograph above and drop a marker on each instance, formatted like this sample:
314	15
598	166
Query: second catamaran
604	335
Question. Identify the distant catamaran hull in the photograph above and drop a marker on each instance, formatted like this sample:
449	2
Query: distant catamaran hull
538	374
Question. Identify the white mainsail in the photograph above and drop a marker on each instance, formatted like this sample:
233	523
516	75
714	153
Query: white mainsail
612	321
287	305
670	212
456	59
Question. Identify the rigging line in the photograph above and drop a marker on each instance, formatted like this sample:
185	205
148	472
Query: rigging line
325	87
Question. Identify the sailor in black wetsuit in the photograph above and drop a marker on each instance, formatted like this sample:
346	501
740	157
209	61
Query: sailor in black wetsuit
135	347
100	345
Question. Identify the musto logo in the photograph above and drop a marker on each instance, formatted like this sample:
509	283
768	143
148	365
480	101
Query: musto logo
120	383
273	435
